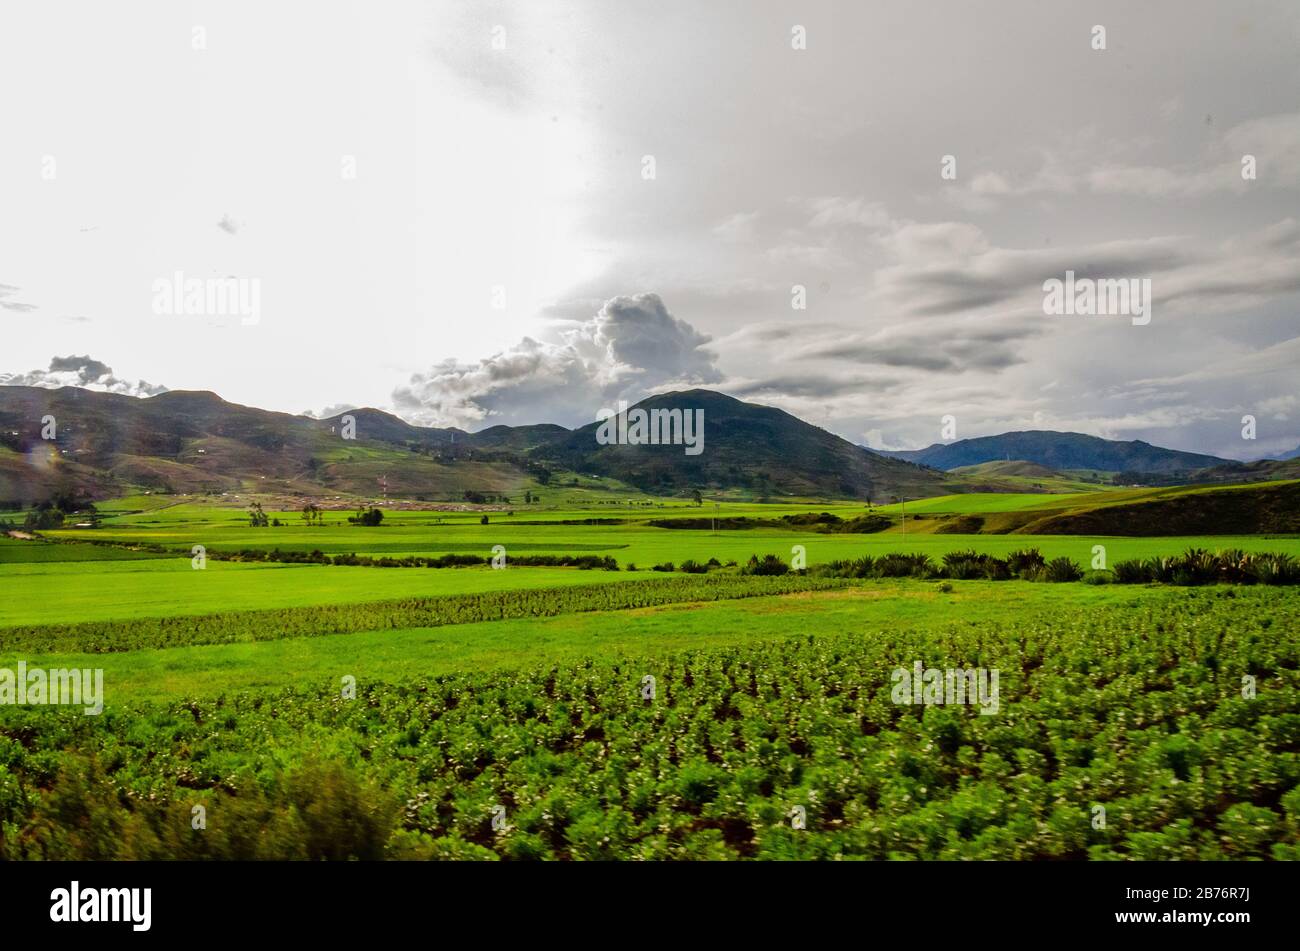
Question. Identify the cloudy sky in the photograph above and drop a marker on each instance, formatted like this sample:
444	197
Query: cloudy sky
448	208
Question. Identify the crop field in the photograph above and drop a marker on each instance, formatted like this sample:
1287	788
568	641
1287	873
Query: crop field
708	709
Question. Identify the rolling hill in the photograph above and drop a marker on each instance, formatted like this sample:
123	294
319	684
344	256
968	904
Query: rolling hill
1057	450
194	441
747	445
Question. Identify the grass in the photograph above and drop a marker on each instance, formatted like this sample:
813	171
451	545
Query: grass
1127	695
92	591
396	655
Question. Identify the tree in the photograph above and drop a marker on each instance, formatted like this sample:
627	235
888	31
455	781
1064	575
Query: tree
696	497
483	520
256	517
370	518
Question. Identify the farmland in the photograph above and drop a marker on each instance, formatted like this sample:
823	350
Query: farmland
322	710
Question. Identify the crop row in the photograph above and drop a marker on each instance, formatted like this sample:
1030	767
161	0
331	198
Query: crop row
1170	731
310	621
1196	566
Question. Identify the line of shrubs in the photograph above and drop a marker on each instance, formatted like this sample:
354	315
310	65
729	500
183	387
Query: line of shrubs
1196	566
317	557
690	566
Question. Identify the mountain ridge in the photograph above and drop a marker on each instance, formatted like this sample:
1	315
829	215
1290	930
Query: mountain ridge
195	441
1059	450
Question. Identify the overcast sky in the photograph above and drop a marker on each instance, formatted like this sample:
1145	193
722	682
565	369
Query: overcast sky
500	254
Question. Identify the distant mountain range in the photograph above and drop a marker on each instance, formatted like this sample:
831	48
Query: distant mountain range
1059	451
1131	462
191	441
195	442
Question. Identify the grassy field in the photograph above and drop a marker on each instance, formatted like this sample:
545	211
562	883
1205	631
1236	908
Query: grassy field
561	531
229	687
394	655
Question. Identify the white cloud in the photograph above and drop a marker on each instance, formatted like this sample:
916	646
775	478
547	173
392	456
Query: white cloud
85	372
631	346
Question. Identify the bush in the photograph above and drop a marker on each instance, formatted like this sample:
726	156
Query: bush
767	565
1133	571
903	565
1025	562
1161	570
1061	569
1276	569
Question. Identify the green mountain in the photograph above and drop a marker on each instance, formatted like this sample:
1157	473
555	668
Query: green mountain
747	446
195	442
191	441
1057	450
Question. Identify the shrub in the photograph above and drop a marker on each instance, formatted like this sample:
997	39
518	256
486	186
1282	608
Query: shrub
1025	562
767	565
964	564
1061	569
1133	571
1160	570
1277	569
903	565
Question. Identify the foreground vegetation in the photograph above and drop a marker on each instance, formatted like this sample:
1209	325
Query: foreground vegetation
294	699
1144	714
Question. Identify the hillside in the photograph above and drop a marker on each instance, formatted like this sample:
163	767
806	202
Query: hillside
1017	475
746	445
1057	450
1015	468
196	442
1270	508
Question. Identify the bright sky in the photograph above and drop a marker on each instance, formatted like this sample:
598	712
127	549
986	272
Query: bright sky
499	255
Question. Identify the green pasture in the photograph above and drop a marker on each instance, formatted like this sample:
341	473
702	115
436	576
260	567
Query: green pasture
861	611
641	544
52	593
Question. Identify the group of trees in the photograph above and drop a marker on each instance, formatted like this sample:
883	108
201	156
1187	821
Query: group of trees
482	498
53	512
372	517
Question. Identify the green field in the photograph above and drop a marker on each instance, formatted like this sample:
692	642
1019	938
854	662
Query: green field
524	689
